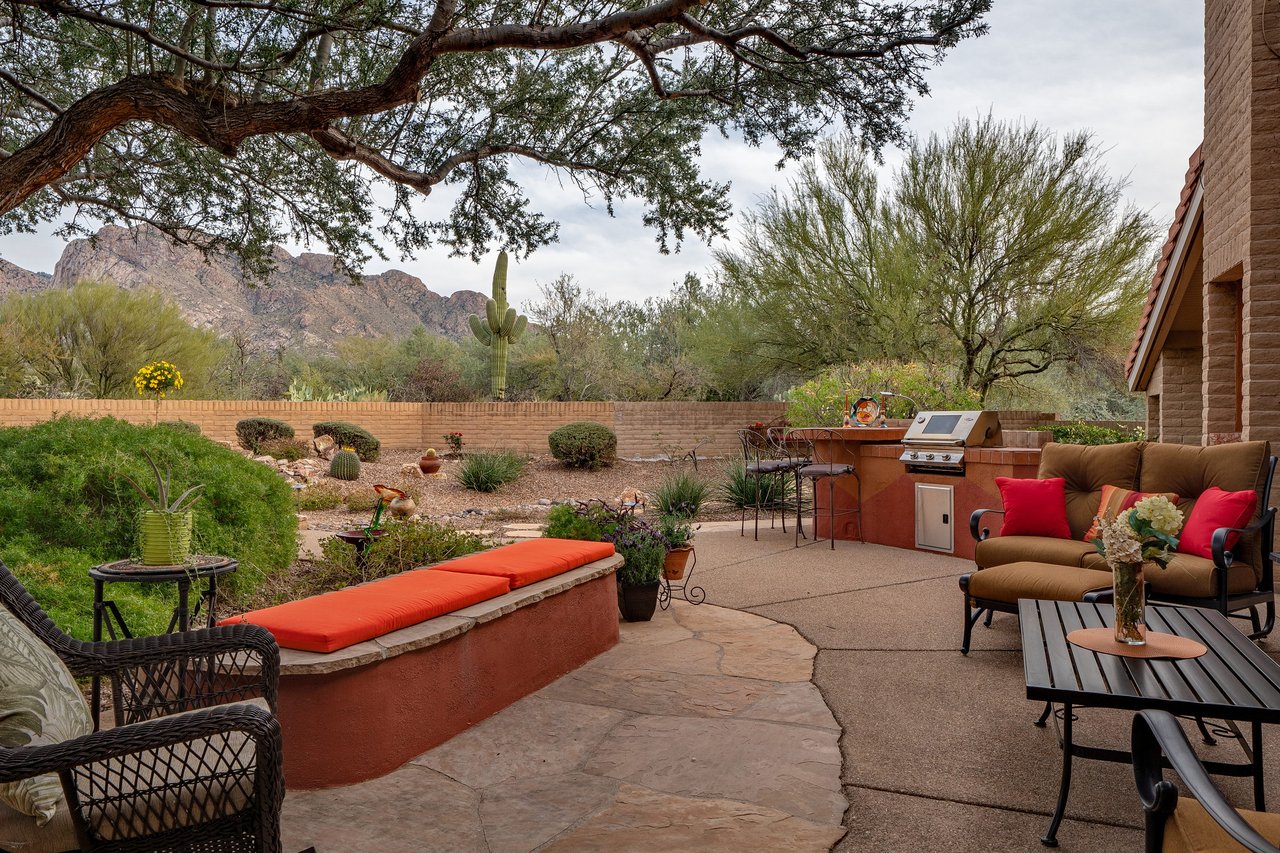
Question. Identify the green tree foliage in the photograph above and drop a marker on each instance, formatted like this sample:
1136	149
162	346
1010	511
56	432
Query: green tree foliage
247	123
821	401
998	250
89	340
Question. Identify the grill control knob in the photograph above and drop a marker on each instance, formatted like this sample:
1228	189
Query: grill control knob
946	457
928	456
915	454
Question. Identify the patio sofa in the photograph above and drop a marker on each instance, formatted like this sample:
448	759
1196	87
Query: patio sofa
1234	574
374	675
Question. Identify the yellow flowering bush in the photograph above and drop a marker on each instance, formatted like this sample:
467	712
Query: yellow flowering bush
158	378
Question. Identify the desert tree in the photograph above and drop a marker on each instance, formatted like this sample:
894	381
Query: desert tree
998	249
238	123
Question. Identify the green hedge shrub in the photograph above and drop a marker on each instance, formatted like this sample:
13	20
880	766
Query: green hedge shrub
584	444
64	507
1082	433
820	401
350	435
252	433
289	449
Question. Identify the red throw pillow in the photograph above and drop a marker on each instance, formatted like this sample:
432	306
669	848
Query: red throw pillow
1116	500
1215	508
1034	507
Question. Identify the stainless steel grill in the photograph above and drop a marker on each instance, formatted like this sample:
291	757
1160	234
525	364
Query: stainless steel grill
935	441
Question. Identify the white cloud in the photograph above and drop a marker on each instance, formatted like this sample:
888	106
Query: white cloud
1131	72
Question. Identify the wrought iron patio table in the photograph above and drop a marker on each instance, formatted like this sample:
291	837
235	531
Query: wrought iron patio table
1234	681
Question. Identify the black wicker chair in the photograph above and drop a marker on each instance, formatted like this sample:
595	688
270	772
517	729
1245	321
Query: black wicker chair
204	781
1159	742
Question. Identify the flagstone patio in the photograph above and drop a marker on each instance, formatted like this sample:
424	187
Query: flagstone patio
819	701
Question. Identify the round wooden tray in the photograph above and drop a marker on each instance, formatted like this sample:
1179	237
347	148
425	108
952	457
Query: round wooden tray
1103	640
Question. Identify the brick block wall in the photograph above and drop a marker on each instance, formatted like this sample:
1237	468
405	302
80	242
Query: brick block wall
416	426
1180	420
1227	26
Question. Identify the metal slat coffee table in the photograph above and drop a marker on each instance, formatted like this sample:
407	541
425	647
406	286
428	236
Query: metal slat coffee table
1234	681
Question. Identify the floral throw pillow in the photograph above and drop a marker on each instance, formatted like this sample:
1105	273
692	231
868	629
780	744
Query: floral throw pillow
1116	500
39	704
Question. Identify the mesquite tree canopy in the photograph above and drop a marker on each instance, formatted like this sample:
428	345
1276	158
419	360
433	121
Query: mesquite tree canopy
239	123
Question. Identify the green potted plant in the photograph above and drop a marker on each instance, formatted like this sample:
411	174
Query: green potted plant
164	531
678	533
643	551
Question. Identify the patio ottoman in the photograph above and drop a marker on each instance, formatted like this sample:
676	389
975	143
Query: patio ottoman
1000	587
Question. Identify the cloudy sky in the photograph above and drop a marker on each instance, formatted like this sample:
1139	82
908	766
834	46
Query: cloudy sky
1130	71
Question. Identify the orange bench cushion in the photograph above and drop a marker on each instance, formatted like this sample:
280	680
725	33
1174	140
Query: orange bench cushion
532	560
335	620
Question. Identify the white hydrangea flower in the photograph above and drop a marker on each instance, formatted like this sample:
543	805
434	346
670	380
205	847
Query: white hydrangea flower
1119	543
1161	513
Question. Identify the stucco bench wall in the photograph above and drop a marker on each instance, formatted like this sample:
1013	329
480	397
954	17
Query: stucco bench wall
364	710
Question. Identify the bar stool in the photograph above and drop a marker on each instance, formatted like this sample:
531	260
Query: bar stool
759	462
828	471
795	453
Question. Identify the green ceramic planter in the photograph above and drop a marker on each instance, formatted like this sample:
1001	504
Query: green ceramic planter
165	537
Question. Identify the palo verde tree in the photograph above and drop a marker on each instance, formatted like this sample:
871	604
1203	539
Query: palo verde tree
999	250
239	123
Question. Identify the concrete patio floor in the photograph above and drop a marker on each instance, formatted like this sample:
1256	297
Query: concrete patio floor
702	730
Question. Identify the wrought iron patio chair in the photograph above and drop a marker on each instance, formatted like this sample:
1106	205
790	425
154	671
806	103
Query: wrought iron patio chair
829	471
165	779
763	466
794	454
1159	742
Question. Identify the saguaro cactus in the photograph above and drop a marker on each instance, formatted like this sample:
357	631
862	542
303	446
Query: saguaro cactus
499	328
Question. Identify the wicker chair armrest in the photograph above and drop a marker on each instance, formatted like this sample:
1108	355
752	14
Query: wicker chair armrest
26	761
1222	557
246	656
976	529
1156	734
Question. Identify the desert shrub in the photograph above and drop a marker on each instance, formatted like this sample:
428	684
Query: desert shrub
252	433
681	494
820	401
184	426
586	522
350	435
407	545
487	472
64	507
739	488
318	496
584	444
1082	433
291	449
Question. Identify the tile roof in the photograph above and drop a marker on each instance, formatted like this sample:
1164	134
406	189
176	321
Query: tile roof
1194	167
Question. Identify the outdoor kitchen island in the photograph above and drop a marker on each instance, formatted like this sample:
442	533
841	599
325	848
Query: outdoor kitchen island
920	506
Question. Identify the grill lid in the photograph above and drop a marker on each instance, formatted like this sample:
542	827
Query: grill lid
965	429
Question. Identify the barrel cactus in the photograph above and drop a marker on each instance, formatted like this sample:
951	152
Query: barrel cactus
500	327
345	465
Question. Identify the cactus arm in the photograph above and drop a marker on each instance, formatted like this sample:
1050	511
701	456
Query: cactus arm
491	314
508	323
480	330
518	329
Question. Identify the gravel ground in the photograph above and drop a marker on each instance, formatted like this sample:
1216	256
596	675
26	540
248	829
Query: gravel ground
441	497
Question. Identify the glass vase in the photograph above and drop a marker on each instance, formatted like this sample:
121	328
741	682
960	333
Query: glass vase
1130	603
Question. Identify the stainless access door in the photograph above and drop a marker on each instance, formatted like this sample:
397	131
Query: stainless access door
935	517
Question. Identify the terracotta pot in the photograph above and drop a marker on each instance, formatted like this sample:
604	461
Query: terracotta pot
430	464
638	601
402	507
674	565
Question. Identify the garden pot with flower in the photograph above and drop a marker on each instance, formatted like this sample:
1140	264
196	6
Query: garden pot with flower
430	462
1145	535
678	533
164	531
643	550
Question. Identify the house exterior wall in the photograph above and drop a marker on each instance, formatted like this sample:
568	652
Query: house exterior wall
1241	340
1179	410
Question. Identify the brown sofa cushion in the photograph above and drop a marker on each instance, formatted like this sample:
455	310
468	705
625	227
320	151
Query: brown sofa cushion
1190	830
1194	577
1010	582
1037	549
1188	471
1086	470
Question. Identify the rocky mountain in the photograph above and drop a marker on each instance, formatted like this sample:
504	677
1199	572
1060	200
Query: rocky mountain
305	303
